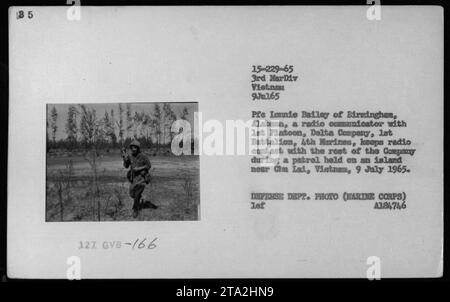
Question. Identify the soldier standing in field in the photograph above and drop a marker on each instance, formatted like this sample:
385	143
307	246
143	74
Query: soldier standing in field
138	175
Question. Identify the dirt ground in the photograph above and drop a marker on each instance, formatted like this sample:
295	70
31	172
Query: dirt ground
174	189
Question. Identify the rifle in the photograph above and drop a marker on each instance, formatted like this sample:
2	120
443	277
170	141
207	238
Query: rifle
124	152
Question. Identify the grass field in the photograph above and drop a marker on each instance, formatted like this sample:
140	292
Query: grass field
174	189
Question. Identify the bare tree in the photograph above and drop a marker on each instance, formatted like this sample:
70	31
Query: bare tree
129	120
157	115
184	113
92	133
47	130
147	127
90	127
169	118
183	116
109	127
138	120
112	129
63	185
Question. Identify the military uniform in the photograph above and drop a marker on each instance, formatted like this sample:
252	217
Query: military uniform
138	179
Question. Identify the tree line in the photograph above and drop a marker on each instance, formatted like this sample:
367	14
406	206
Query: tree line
85	129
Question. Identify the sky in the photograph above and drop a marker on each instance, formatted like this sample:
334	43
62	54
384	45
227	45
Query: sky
100	109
